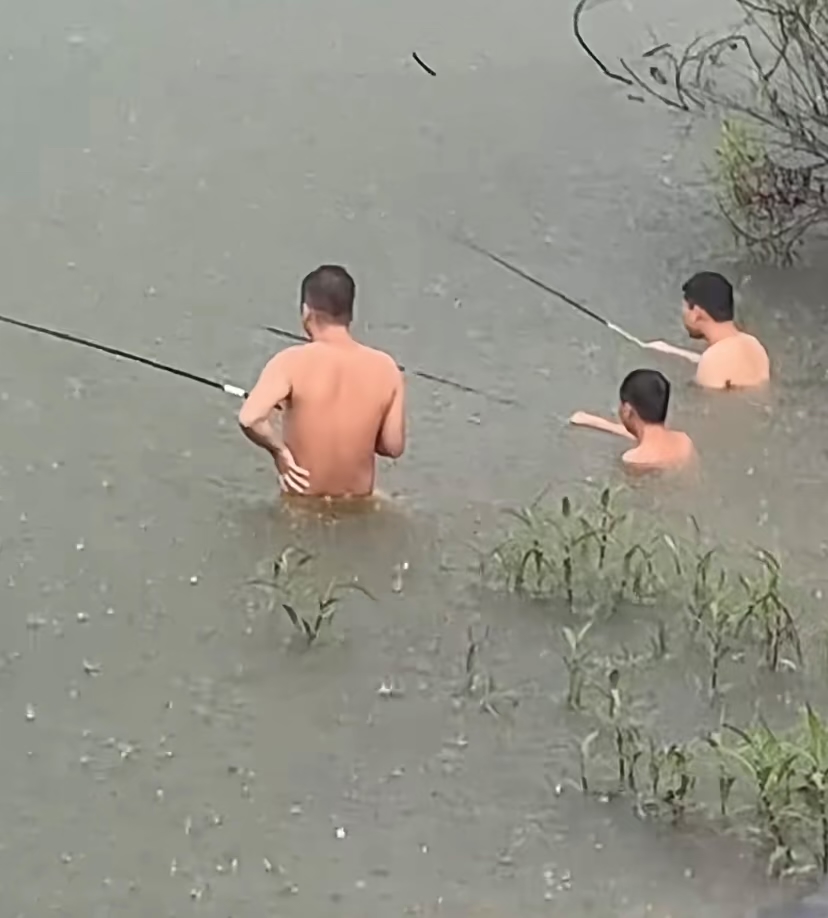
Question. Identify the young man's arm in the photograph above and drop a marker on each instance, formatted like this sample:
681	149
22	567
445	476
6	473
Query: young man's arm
664	348
582	419
391	437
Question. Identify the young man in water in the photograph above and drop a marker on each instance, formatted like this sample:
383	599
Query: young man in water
645	397
343	402
733	359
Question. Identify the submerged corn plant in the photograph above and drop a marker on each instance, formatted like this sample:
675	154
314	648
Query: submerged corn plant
525	561
478	678
576	657
293	587
766	762
580	551
708	584
672	780
768	613
619	734
811	785
719	626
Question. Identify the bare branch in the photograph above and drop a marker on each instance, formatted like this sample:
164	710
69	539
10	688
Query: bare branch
771	74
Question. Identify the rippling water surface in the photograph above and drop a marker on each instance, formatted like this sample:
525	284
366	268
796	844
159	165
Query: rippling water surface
169	172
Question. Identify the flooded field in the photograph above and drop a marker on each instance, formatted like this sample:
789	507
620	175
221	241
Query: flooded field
169	173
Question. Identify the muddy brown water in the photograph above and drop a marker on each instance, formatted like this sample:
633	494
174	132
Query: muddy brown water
169	171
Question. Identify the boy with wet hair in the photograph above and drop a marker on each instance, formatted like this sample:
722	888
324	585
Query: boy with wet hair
733	359
645	398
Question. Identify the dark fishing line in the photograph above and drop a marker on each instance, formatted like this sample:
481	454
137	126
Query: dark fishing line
556	293
126	355
442	380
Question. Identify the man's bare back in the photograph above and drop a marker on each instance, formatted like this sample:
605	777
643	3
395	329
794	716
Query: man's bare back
343	403
341	396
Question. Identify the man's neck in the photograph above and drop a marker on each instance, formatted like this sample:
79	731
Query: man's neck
718	331
331	333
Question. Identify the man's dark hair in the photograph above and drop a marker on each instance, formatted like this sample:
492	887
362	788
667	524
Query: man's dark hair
647	392
330	290
713	293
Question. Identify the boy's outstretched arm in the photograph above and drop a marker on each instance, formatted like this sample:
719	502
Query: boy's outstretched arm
582	419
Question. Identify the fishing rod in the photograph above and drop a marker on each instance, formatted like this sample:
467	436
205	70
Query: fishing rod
135	358
290	336
230	389
557	293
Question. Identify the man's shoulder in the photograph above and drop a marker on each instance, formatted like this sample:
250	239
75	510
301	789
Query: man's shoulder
381	359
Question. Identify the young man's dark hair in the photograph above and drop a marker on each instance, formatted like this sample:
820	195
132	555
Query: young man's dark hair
647	392
711	292
329	291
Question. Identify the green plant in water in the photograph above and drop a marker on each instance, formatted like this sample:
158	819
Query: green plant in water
473	675
709	583
577	534
291	587
788	775
672	780
478	680
768	763
576	658
580	550
720	627
523	561
770	614
811	787
659	641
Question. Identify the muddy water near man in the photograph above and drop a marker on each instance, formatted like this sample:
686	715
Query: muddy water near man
169	172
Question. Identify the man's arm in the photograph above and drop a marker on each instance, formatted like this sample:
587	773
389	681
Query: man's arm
582	419
664	348
271	389
391	436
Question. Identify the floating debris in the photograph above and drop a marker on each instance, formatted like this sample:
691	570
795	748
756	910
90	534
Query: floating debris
91	669
389	690
30	712
340	833
83	617
397	581
194	580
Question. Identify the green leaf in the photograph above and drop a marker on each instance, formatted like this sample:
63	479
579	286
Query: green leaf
291	612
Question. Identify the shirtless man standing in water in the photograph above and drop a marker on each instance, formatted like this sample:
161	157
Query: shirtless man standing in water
733	359
344	403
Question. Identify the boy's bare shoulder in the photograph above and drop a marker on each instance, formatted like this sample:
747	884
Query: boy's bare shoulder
681	454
